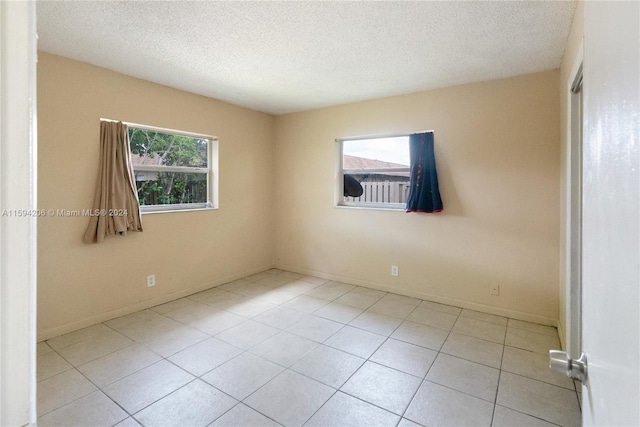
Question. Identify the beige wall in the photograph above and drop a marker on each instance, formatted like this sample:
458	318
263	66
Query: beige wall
81	284
572	54
497	151
497	148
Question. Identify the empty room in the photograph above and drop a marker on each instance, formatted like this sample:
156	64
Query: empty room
321	213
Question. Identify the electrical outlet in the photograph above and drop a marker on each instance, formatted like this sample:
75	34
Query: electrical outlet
495	290
151	280
394	270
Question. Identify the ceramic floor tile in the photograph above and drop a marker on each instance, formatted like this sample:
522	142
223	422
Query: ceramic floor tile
315	328
580	399
422	335
191	312
257	276
532	341
226	300
433	318
406	423
299	287
369	291
533	365
443	308
50	364
485	317
545	401
474	349
143	317
405	357
205	356
505	417
315	280
345	410
479	329
390	297
305	303
279	317
204	295
339	285
247	334
128	422
233	285
175	340
376	323
78	336
252	290
195	404
276	364
435	405
290	398
278	296
115	366
355	341
393	308
328	365
43	348
143	325
329	291
356	299
468	377
243	416
284	348
243	375
93	348
274	281
292	275
62	389
383	387
129	319
173	305
533	327
94	409
218	322
144	387
338	312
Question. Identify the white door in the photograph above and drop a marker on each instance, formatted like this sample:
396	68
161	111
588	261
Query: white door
611	214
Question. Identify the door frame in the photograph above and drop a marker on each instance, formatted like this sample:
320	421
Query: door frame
18	233
569	338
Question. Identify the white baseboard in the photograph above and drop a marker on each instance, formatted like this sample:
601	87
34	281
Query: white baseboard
103	317
512	314
46	334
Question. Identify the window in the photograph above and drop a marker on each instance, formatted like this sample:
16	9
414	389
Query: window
173	170
374	172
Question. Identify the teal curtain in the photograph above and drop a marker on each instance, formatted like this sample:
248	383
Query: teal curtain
424	193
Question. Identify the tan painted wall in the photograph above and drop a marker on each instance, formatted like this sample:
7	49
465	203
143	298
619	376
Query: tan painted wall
571	52
81	284
497	151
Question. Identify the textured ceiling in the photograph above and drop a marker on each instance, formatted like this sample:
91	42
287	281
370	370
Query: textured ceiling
282	57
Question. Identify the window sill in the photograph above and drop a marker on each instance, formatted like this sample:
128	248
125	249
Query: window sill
372	208
177	210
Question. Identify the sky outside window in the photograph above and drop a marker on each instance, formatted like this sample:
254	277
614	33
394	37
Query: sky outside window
394	150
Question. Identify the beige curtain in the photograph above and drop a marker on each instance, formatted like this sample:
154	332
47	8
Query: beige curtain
116	209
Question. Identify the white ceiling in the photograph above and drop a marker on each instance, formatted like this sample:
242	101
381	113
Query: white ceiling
282	57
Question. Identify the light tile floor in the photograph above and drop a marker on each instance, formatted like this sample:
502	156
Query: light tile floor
279	348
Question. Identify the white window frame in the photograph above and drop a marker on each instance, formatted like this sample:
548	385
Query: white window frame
211	172
340	172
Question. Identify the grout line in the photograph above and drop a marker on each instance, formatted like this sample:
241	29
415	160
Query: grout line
493	414
266	274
